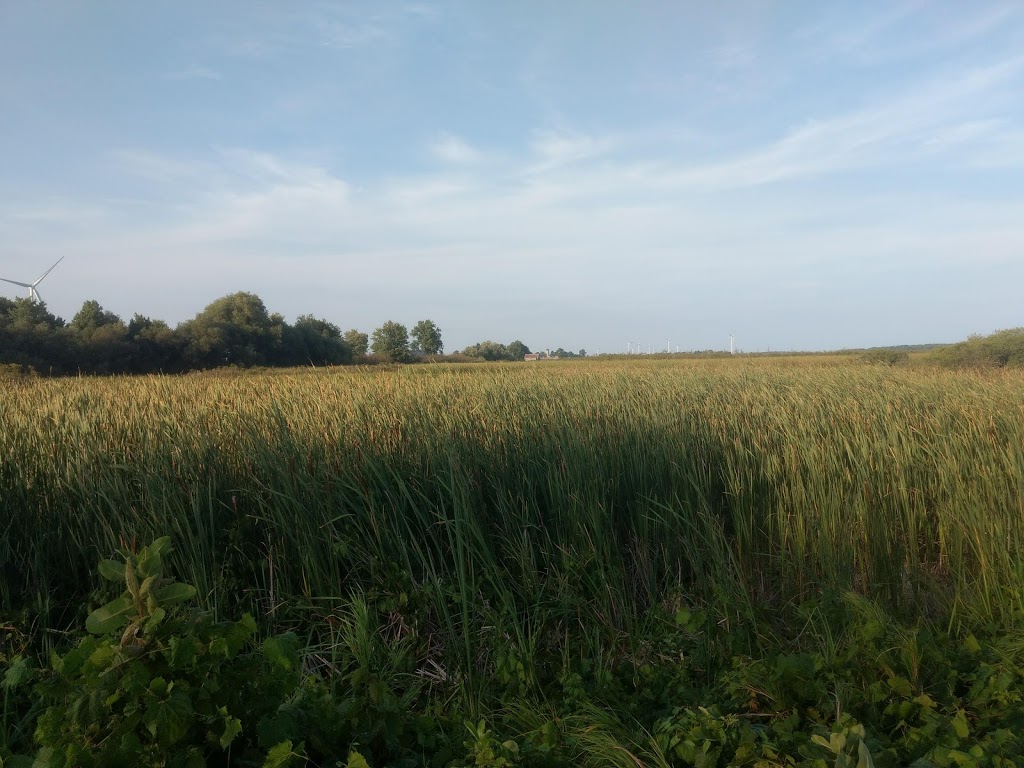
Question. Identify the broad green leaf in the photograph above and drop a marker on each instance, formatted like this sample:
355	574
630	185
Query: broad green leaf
279	756
282	651
232	727
112	570
111	616
150	560
168	720
175	592
355	760
960	726
161	547
239	633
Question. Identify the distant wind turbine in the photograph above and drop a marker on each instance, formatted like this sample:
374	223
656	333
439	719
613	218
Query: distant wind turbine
32	292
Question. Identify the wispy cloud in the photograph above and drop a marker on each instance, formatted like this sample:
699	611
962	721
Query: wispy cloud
891	132
554	149
638	210
454	149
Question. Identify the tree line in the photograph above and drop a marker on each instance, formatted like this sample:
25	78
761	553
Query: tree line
235	330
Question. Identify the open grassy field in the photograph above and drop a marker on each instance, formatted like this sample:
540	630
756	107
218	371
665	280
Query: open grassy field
581	554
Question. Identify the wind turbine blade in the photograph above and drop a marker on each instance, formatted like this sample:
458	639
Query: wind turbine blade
36	296
37	282
15	282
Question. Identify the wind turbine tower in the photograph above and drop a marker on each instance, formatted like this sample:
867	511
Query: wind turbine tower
732	344
32	292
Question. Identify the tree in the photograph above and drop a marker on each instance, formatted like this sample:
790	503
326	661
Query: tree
318	342
517	350
101	339
357	341
391	341
488	350
233	330
426	338
156	346
30	335
92	316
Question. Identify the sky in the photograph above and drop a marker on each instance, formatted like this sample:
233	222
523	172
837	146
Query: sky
579	174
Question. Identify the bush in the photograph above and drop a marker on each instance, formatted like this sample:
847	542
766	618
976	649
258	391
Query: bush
1002	349
150	687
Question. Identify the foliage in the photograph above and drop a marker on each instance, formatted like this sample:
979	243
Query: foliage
391	341
318	342
1003	349
358	342
491	351
163	690
516	350
426	338
795	562
234	330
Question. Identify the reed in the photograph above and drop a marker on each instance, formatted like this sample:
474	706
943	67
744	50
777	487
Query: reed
560	500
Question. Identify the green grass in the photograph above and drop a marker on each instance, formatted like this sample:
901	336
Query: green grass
526	522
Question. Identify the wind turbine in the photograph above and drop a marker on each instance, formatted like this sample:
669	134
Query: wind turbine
32	292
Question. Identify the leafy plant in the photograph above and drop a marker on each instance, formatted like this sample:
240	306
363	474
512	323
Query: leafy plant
152	687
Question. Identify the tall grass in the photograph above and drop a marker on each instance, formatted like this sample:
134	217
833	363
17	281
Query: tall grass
561	504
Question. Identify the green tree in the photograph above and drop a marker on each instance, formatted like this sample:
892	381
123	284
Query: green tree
358	342
156	346
102	340
426	338
30	335
488	350
92	316
319	342
233	330
391	341
517	350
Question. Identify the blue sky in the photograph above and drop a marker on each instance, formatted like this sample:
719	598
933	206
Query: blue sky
806	175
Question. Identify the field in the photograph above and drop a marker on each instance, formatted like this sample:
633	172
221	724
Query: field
785	561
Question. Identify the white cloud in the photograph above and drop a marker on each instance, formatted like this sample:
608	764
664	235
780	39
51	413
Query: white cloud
557	148
892	132
454	149
627	224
